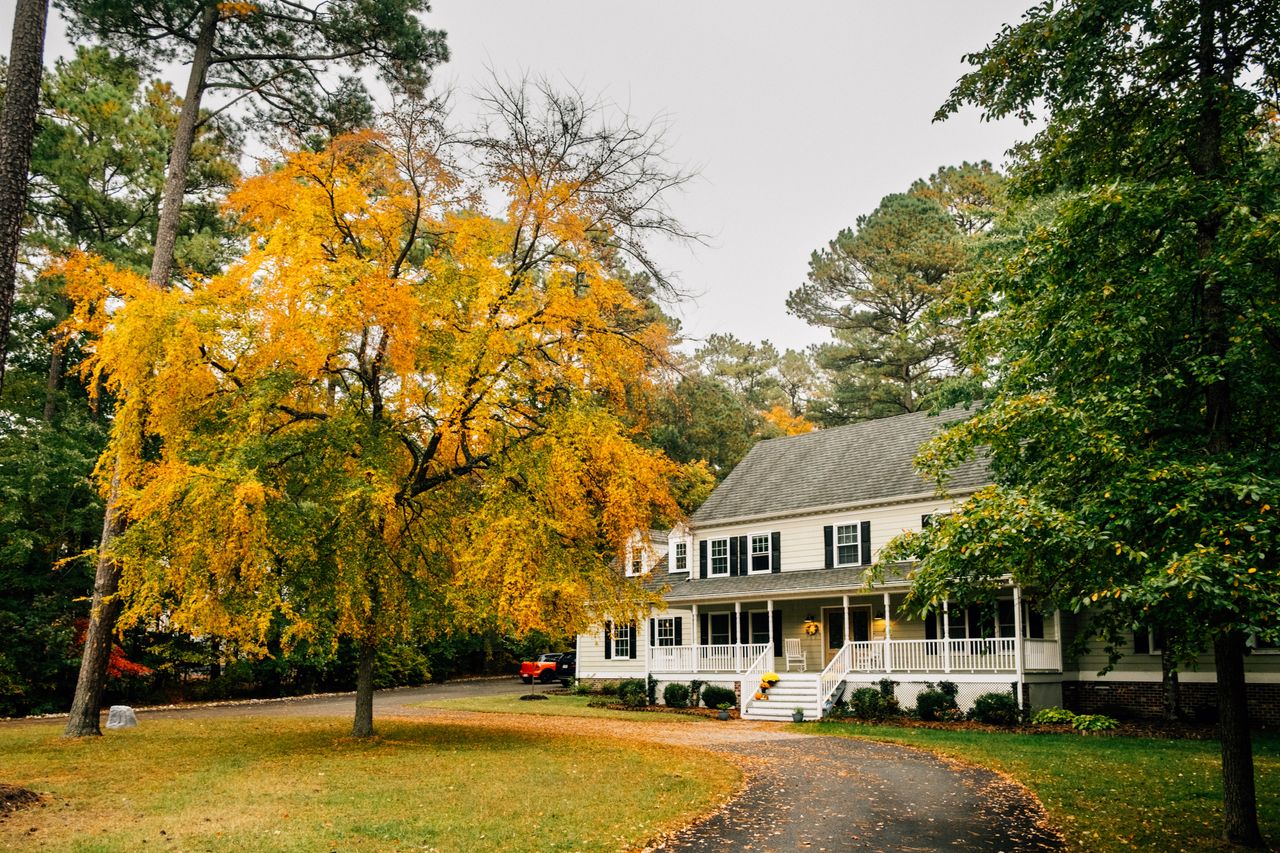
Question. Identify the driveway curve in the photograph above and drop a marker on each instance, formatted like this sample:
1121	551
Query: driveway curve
802	792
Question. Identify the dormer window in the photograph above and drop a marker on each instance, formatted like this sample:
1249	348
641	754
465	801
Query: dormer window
680	557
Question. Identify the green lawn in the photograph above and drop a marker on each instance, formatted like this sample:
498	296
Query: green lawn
555	706
1108	793
285	784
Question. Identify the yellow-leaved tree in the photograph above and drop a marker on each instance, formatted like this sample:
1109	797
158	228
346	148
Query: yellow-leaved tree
395	413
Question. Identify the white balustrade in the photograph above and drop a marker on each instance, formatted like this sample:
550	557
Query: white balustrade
1044	655
693	659
759	666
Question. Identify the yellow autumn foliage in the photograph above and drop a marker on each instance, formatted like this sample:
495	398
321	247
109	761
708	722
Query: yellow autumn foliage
390	414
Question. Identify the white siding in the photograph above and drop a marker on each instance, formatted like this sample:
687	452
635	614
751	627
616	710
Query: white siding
802	537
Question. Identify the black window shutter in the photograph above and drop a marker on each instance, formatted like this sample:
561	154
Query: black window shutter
702	559
864	539
653	632
733	556
608	640
679	630
775	559
829	545
777	633
631	640
704	628
744	627
931	626
1141	642
744	555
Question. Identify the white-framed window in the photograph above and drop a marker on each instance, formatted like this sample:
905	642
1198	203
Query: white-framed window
622	641
665	631
1148	642
680	557
761	552
719	553
848	545
759	625
1256	646
721	629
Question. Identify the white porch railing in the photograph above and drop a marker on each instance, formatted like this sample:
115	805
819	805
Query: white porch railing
720	658
835	672
1042	655
989	655
759	666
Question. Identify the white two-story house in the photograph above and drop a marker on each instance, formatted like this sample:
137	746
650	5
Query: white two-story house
770	574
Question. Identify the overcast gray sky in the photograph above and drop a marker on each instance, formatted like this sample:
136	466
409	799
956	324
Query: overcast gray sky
797	117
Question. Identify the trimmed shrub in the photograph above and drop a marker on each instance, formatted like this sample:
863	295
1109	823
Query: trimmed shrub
713	696
676	695
633	692
933	701
867	703
1052	717
651	689
1094	723
948	688
997	709
608	688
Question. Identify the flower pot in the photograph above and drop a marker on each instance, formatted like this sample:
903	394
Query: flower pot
797	716
722	715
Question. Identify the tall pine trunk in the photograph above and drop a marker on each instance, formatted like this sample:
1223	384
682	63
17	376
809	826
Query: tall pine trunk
17	130
363	725
1240	818
102	615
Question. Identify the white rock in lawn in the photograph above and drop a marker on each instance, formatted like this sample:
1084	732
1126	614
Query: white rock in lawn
121	717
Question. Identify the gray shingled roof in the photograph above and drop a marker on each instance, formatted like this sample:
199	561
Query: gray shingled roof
851	464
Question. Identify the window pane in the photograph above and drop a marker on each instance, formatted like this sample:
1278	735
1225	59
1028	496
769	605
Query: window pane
682	559
760	627
720	629
719	556
760	544
847	545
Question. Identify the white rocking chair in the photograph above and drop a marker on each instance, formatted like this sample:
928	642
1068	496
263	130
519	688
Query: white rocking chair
794	654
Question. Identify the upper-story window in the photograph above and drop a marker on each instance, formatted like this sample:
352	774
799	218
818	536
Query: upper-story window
680	557
719	557
848	545
761	552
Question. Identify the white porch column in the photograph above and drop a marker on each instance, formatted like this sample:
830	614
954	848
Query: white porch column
773	641
697	627
844	601
888	650
1017	640
1057	635
737	632
946	635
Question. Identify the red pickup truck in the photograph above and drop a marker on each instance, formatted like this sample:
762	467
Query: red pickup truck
549	667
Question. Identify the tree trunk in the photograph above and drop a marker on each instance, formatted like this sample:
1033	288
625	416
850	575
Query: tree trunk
1240	809
363	725
102	616
1169	679
87	703
17	129
53	381
175	182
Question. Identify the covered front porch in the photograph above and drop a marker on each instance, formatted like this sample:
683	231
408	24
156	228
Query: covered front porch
852	633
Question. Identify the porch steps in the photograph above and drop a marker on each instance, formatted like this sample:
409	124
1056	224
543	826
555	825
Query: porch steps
791	692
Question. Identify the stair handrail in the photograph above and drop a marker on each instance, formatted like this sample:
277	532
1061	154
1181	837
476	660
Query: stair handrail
752	676
835	673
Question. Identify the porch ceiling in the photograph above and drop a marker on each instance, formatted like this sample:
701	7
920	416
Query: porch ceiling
846	581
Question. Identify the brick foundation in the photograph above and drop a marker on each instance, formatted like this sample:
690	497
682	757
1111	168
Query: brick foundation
1145	700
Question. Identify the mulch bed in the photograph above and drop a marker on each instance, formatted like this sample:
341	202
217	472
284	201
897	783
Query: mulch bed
661	709
13	798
